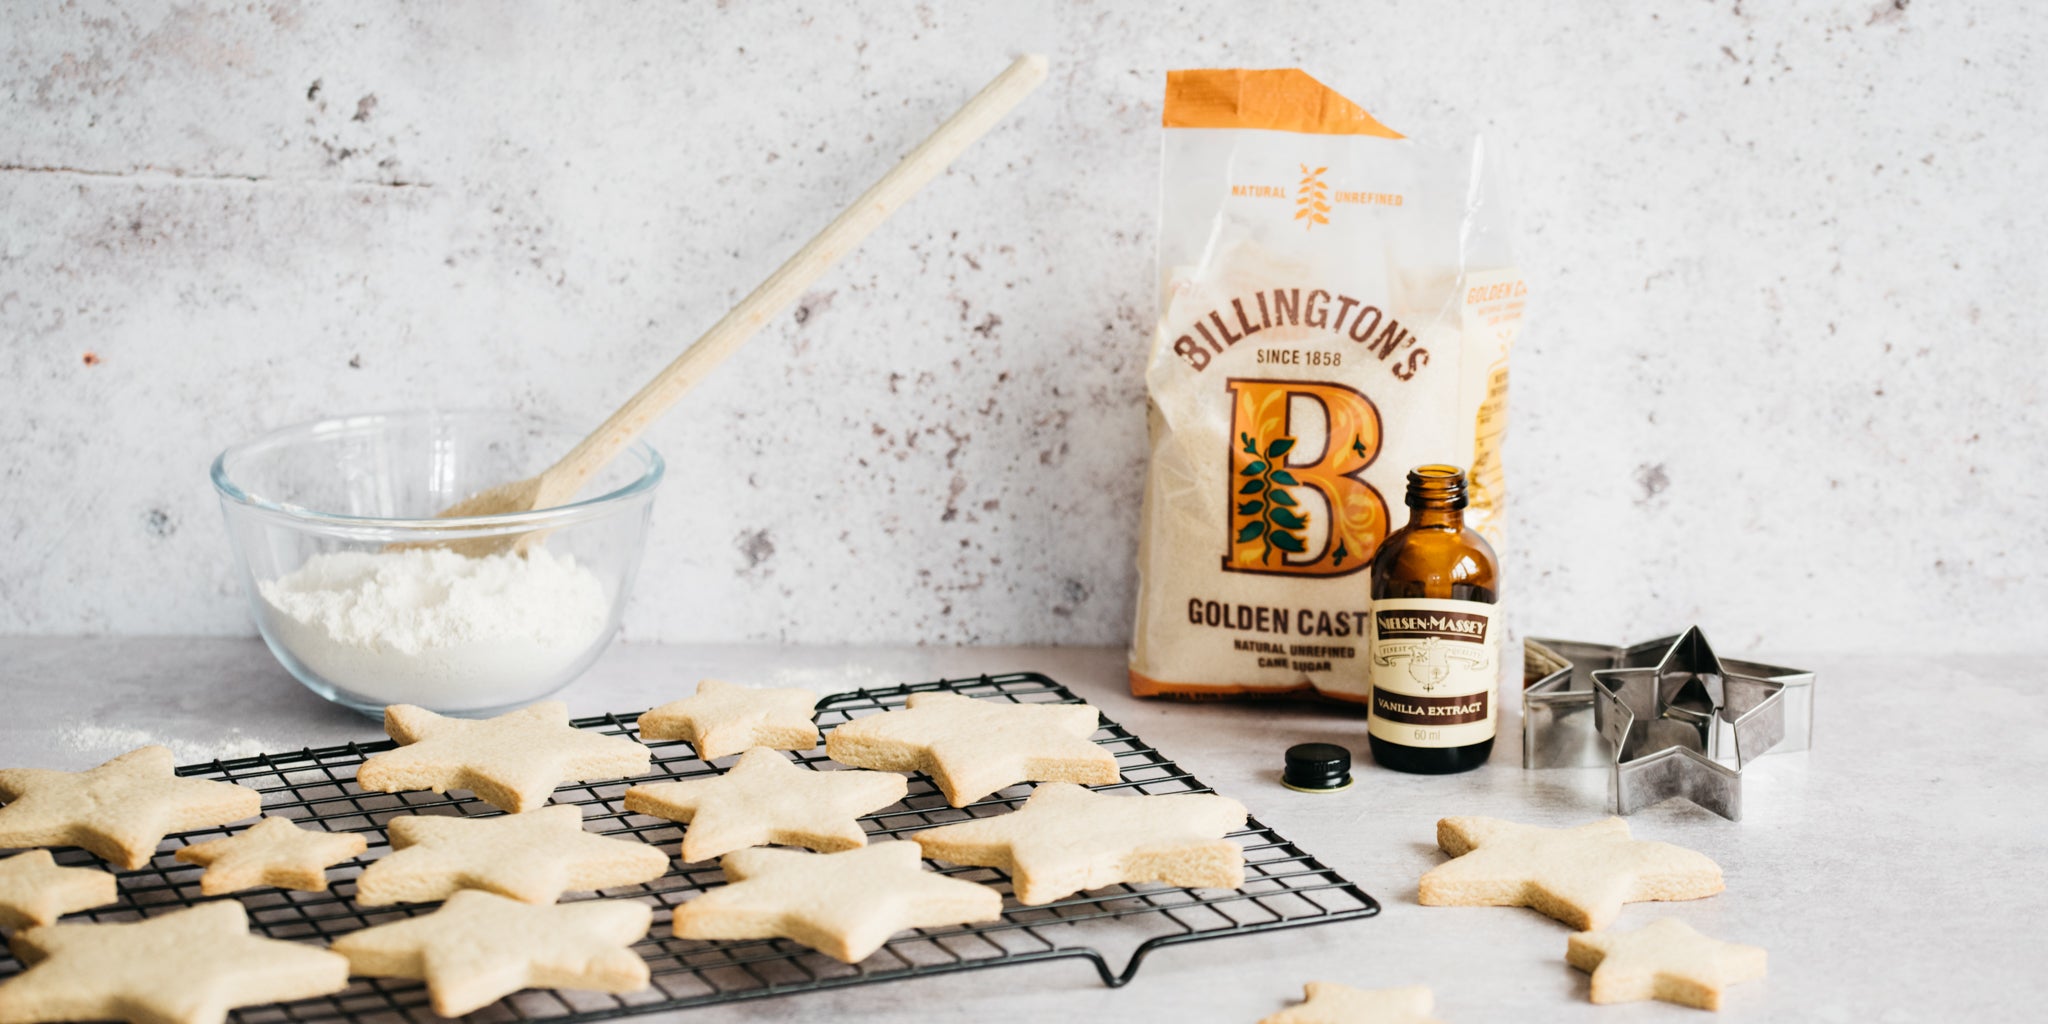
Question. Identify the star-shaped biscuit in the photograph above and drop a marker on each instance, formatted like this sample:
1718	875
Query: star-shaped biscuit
972	748
1665	960
1580	876
1331	1003
34	890
844	905
1066	839
186	967
511	762
534	857
765	799
274	851
479	947
725	719
120	810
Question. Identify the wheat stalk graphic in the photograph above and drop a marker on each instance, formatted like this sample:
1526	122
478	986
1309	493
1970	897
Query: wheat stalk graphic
1271	509
1312	198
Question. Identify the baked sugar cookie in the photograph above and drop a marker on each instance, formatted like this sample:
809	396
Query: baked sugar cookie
275	851
724	719
1330	1003
765	799
534	857
186	967
972	748
34	890
120	810
480	946
844	905
1066	839
512	762
1580	876
1664	960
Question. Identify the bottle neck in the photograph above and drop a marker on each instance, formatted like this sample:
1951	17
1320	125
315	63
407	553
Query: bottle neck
1436	518
1436	498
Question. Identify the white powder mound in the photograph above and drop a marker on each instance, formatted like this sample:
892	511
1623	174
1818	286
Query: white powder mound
107	741
436	628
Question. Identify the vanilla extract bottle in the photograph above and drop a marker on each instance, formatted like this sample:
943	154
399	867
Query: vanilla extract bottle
1434	640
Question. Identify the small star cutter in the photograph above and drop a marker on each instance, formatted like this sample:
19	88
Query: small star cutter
1663	726
1557	697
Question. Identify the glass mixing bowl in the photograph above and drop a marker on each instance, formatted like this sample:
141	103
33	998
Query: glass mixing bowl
354	589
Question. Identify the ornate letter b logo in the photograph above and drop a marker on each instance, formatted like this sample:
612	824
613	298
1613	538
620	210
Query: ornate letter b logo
1296	511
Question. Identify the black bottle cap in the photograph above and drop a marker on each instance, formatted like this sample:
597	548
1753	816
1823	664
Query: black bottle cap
1317	768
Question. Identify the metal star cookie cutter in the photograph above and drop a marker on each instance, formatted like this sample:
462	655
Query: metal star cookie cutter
1664	727
1557	698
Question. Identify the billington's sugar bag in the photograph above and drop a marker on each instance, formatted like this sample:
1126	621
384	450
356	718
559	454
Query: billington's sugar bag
1336	305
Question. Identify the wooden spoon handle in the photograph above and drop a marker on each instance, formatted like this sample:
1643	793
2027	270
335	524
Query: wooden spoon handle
561	482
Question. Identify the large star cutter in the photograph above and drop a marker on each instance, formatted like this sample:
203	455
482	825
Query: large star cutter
1663	725
1557	698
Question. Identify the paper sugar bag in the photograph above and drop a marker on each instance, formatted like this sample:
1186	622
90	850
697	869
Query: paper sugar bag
1336	305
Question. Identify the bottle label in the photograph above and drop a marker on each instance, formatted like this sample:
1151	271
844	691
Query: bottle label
1435	671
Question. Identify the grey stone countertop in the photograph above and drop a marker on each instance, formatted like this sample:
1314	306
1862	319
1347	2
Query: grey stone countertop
1894	872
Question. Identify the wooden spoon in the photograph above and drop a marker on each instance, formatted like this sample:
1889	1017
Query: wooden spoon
558	484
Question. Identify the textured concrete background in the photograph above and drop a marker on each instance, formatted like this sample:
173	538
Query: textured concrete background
1783	378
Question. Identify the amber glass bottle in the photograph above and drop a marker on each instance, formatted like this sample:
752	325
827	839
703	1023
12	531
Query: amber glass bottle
1435	643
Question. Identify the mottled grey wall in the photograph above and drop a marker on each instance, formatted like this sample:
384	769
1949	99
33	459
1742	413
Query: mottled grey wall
1784	375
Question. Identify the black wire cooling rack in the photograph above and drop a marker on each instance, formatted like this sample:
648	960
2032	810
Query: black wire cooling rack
1284	886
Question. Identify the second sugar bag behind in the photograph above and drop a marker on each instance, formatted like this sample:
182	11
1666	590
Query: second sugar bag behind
1435	637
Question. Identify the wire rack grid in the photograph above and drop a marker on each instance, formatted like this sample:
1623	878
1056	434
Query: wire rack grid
1285	887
